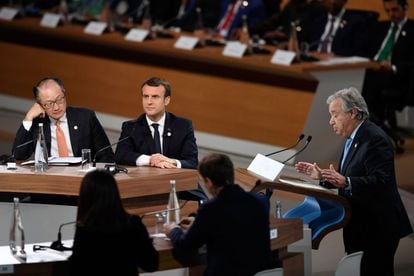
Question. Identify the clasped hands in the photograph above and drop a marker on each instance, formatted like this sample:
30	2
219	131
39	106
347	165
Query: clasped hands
315	172
160	161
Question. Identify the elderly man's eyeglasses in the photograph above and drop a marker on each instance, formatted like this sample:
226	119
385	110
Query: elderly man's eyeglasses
50	104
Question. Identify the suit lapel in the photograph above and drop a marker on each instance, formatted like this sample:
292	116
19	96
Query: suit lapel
147	133
74	128
167	134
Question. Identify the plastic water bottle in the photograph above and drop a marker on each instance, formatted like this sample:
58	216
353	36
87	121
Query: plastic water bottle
16	239
173	215
41	157
278	210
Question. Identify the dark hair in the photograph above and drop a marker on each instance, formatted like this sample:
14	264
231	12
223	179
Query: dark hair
218	168
36	88
99	204
155	82
402	3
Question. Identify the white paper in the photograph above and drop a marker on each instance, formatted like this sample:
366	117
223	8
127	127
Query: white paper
342	60
50	20
234	49
283	57
95	28
137	35
265	167
186	42
7	13
58	161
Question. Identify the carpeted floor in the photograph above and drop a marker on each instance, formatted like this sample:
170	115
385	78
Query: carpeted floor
404	164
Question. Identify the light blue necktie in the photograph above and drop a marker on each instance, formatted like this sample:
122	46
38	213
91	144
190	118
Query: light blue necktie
346	149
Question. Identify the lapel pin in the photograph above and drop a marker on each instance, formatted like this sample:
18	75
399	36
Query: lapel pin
75	127
403	33
169	133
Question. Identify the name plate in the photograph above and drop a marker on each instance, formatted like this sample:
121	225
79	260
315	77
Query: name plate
265	167
234	49
50	20
283	57
7	13
95	28
137	35
186	42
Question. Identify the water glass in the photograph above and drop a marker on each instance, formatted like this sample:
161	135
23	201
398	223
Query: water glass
86	159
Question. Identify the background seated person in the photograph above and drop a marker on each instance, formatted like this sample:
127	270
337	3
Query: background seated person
388	87
336	32
67	129
157	138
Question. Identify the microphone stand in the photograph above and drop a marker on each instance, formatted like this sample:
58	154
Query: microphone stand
58	245
300	138
107	147
299	151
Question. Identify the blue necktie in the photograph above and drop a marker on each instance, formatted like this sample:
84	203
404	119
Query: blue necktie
346	150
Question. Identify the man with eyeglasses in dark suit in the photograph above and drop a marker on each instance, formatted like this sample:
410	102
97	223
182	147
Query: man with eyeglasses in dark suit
67	129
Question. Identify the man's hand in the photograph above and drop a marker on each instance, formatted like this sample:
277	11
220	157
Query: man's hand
333	177
160	161
311	170
167	228
186	223
35	111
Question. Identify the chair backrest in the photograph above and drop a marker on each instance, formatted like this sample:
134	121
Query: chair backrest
270	272
349	265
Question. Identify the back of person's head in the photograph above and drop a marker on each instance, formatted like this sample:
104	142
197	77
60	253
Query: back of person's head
155	82
351	98
100	205
46	81
218	168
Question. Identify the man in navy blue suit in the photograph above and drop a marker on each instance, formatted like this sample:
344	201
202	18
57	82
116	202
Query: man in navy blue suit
233	224
389	87
338	31
80	126
157	138
366	178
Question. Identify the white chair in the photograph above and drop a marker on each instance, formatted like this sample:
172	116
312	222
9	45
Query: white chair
270	272
349	265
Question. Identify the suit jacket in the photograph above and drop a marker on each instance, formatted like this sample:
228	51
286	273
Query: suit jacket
100	252
85	131
255	12
180	144
402	58
348	39
235	228
375	202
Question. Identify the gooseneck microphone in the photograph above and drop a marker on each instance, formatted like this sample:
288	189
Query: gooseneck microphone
299	151
10	158
58	245
300	138
107	147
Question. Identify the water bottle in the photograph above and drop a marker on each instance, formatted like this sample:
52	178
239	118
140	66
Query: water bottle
16	239
278	210
173	205
41	158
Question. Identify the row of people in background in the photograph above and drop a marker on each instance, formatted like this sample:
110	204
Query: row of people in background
157	138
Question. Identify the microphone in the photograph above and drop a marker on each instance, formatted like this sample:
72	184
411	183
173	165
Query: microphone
299	151
300	138
58	245
10	158
107	147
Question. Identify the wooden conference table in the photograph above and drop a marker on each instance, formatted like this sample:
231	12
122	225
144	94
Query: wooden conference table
141	184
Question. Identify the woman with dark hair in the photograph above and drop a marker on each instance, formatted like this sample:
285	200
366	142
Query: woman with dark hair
108	240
